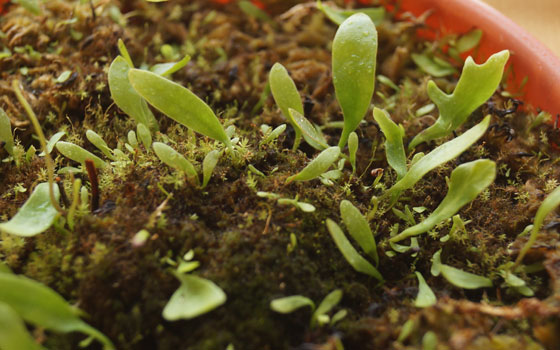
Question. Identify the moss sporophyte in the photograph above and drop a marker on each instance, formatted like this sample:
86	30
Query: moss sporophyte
158	175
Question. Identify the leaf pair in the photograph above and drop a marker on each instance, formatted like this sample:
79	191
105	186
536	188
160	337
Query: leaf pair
359	229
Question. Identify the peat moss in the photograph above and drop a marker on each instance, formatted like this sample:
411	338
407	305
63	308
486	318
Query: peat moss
240	239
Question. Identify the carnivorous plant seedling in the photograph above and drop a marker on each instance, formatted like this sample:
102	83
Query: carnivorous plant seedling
78	154
426	296
394	147
476	85
175	160
457	277
317	166
377	14
6	132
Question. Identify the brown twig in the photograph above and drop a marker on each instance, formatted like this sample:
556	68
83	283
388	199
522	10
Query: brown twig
94	181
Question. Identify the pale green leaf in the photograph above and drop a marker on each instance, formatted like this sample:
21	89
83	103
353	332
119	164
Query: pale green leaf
359	229
350	254
435	270
124	53
476	86
208	165
462	279
354	55
252	10
43	307
274	134
174	159
6	132
286	95
35	216
469	41
429	341
426	296
98	142
431	66
467	182
53	140
178	103
353	143
440	155
144	135
196	296
377	14
13	333
290	304
78	154
166	69
317	166
126	97
310	134
328	303
394	147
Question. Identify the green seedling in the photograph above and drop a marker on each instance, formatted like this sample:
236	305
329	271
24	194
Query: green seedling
196	296
175	160
353	143
178	103
426	296
208	165
6	132
310	133
320	315
548	205
41	306
78	154
433	65
351	255
440	155
476	85
269	136
253	11
429	341
286	96
394	146
144	135
376	14
124	95
359	229
354	55
36	215
167	69
53	140
132	139
305	207
467	182
468	41
516	283
317	166
13	333
457	277
98	142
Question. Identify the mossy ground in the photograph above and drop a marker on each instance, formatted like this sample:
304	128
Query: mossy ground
240	239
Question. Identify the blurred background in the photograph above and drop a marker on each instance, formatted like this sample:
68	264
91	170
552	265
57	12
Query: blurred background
539	17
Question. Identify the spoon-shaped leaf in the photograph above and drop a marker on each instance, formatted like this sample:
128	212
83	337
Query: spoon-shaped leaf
318	165
394	147
426	296
350	254
126	97
290	304
377	14
78	154
310	134
6	132
196	296
43	307
35	216
178	103
476	86
548	205
285	95
359	229
467	182
353	64
328	303
174	159
439	156
13	333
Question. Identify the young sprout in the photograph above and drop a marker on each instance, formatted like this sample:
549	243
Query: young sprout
317	166
196	296
305	207
270	136
208	165
394	147
311	134
98	142
253	11
6	132
353	144
44	308
457	277
166	69
178	103
476	85
175	160
426	296
13	332
467	182
354	56
78	154
359	229
439	156
377	14
35	216
144	135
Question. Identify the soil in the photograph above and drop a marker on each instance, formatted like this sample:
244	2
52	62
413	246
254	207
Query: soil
240	239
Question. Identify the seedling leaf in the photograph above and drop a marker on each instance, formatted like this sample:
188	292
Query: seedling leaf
353	143
435	68
35	216
290	304
98	142
376	14
310	134
359	229
439	156
6	132
394	147
476	85
126	97
196	296
354	55
178	103
317	166
174	159
166	69
350	254
328	303
426	296
208	165
467	182
144	135
462	279
78	154
13	333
